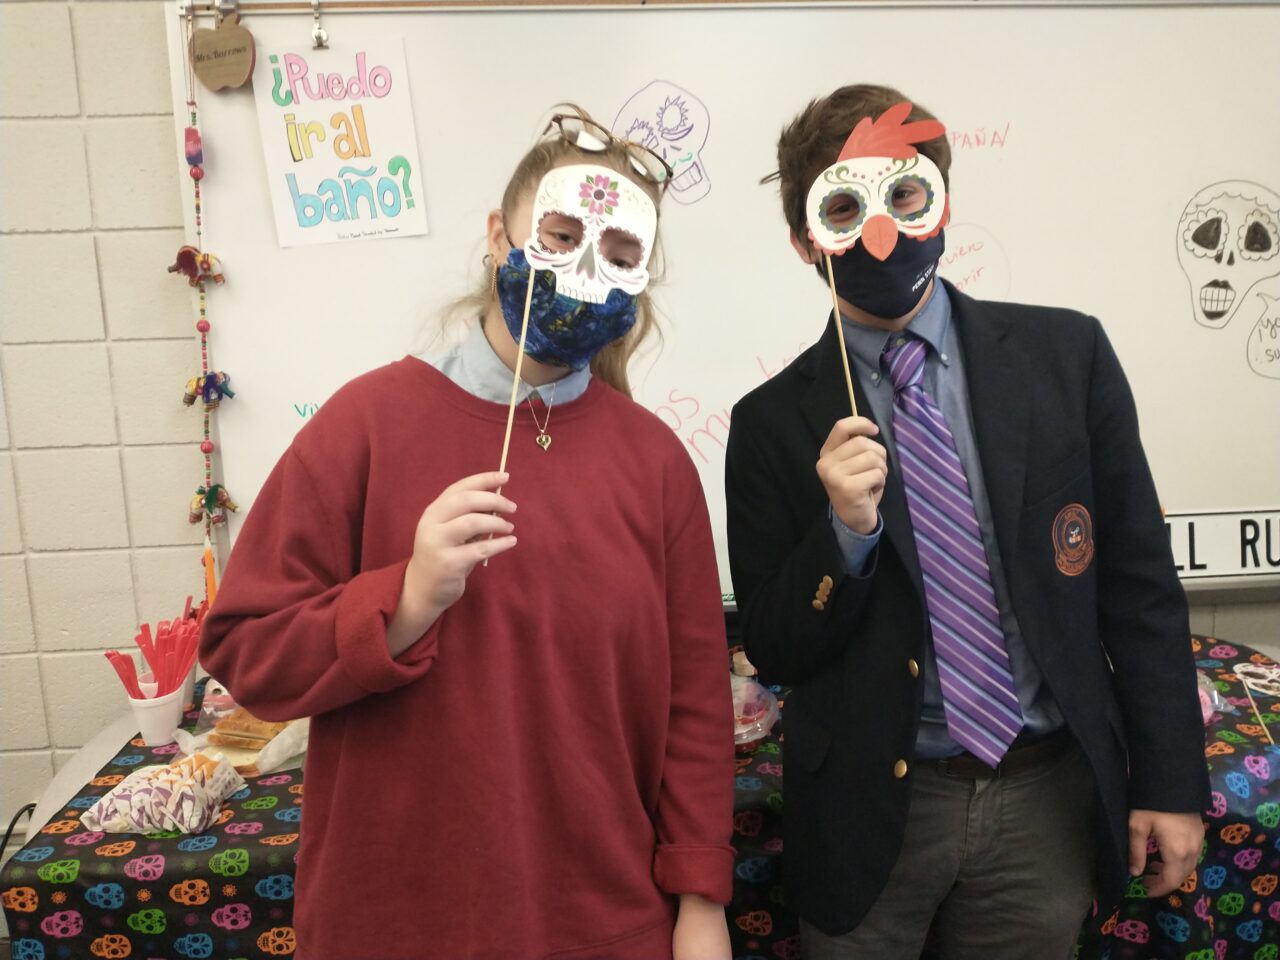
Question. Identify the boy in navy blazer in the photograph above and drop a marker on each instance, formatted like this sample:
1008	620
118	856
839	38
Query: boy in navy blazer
968	585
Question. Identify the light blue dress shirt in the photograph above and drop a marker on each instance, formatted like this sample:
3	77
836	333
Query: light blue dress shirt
473	366
944	380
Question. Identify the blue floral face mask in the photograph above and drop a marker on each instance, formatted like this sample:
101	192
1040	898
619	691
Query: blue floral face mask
562	331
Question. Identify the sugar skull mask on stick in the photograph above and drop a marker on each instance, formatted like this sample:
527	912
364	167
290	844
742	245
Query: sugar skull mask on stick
883	192
571	290
590	241
880	190
607	223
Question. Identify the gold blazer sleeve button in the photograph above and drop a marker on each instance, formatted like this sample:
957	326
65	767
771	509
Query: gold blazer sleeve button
818	604
828	582
900	769
913	668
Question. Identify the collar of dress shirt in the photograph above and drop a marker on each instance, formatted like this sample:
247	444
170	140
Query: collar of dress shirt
473	366
867	343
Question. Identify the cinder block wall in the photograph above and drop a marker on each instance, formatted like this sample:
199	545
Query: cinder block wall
98	456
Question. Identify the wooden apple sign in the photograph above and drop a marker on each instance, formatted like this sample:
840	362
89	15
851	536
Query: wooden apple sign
223	56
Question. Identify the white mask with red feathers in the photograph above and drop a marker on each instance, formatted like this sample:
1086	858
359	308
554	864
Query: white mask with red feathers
879	188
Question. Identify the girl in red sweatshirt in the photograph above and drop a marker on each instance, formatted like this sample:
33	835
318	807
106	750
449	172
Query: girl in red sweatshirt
529	758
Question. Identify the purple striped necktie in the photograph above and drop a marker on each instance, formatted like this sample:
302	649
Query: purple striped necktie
978	697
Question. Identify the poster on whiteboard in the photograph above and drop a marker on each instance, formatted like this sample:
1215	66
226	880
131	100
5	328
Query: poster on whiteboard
338	134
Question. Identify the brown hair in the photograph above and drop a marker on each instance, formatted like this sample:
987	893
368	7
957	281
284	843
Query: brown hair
812	141
610	364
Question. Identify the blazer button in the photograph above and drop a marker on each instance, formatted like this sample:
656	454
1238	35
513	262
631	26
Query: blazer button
900	769
819	605
828	582
913	668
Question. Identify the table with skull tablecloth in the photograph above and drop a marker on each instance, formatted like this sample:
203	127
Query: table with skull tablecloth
228	892
1228	910
73	893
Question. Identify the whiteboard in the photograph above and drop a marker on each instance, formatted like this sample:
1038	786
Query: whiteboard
1079	135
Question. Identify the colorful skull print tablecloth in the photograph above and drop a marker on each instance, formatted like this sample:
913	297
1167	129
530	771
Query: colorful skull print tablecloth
1229	910
74	894
70	894
760	925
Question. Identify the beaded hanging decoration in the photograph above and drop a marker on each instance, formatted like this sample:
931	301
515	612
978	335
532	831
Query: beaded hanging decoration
200	267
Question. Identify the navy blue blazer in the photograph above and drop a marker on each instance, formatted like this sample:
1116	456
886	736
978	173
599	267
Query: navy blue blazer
1090	571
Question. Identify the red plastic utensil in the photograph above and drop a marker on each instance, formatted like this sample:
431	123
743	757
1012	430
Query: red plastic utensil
170	666
127	672
148	648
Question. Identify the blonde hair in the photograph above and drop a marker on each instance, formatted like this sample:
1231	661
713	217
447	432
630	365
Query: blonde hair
611	363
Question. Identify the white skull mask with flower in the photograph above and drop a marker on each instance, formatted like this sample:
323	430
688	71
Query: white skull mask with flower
594	229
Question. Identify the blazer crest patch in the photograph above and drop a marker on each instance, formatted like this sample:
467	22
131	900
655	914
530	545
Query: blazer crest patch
1073	539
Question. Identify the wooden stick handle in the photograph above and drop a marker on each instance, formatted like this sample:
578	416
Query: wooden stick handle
1253	703
844	353
515	380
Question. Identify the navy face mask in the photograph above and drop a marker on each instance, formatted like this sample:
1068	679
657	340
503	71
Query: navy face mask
562	331
888	288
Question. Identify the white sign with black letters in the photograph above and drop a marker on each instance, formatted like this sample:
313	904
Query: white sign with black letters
1238	543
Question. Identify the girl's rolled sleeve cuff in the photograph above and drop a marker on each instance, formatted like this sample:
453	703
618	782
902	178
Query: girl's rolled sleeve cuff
366	607
706	870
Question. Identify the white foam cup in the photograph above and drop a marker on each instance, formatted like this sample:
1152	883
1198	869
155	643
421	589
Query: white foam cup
148	686
158	717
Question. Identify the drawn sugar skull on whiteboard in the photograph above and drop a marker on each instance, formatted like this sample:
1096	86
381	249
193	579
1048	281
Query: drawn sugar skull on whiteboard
594	229
672	122
1228	241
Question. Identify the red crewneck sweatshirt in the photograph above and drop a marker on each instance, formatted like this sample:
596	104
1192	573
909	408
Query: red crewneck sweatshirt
552	760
